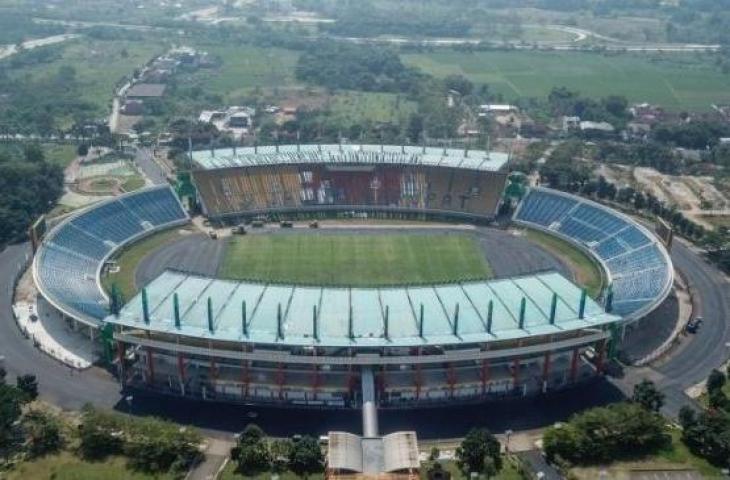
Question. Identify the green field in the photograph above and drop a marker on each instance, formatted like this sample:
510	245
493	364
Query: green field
245	68
586	271
358	107
65	466
675	81
675	457
130	257
357	260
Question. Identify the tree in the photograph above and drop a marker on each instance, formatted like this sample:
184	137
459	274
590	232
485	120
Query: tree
306	457
43	432
715	381
477	446
606	434
251	452
100	434
281	451
647	395
34	153
28	386
687	417
10	410
459	83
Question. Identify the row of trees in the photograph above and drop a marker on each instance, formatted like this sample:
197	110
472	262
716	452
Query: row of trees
254	453
707	434
30	185
342	65
25	431
150	445
605	434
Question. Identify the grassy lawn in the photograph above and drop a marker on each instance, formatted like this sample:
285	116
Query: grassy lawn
246	67
229	473
677	81
354	259
675	457
130	257
99	66
587	273
717	220
357	107
66	466
509	472
135	182
61	155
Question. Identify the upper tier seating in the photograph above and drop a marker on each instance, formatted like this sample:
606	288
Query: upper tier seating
640	270
72	253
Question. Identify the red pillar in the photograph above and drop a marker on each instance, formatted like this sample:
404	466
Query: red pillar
574	365
484	376
351	381
451	379
515	372
214	369
418	380
280	379
150	366
181	367
245	379
546	367
381	382
316	380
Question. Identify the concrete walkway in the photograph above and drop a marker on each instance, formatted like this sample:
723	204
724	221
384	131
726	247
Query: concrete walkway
216	457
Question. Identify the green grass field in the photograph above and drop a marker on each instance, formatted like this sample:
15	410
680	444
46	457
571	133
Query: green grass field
65	466
357	260
357	107
675	81
587	273
245	68
675	457
130	257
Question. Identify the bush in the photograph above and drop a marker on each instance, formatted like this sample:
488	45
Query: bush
623	430
479	452
43	432
306	457
28	385
100	434
251	453
151	445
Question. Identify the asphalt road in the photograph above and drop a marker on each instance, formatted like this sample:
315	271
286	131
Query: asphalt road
58	384
149	167
709	348
690	364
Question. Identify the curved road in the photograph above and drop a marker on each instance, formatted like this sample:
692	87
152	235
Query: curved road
690	364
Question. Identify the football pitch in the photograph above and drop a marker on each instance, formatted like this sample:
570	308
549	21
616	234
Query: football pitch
354	260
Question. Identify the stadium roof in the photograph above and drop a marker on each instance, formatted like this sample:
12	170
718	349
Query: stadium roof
350	154
391	453
289	315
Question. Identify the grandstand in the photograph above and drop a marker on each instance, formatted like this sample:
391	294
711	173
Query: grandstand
295	179
638	267
246	341
326	346
67	266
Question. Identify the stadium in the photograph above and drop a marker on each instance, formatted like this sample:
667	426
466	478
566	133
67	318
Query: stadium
452	335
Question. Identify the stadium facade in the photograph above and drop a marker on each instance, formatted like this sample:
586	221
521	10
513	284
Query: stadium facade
334	347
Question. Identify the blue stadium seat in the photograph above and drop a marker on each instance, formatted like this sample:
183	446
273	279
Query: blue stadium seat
635	261
72	253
